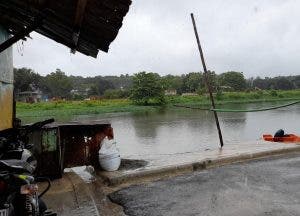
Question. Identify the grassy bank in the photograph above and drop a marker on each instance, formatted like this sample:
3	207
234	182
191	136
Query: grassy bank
124	105
78	107
237	97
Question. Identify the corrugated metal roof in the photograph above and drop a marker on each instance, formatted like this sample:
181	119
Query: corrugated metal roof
86	26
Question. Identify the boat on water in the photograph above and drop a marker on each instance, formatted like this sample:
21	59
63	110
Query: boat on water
287	138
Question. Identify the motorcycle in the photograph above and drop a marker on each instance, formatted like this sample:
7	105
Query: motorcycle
18	185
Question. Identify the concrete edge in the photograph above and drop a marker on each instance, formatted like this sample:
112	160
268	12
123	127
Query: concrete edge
175	170
151	174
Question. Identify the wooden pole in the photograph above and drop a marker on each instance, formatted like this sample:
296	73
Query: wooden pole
206	77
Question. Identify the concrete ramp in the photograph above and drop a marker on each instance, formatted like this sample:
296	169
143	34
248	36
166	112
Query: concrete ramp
71	195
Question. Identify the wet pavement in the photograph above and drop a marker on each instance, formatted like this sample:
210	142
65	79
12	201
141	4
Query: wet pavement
82	191
161	165
260	187
72	195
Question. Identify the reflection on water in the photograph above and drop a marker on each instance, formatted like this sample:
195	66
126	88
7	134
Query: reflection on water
184	130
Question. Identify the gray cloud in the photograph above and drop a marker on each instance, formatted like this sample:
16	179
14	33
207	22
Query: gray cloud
258	37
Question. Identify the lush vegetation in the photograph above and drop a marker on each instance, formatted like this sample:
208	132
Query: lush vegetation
144	91
125	105
147	89
237	97
54	108
58	85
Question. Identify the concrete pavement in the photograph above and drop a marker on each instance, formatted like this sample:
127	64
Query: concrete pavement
83	194
260	187
71	195
161	166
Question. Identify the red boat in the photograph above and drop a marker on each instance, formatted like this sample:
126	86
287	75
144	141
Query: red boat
288	138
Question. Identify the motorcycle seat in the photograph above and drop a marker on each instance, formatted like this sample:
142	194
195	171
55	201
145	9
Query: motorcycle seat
15	166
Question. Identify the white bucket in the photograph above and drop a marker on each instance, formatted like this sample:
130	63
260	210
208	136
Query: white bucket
110	162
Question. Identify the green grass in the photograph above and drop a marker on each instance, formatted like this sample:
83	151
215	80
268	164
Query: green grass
237	97
60	108
79	107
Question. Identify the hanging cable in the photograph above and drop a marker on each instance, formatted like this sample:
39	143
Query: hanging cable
239	110
255	110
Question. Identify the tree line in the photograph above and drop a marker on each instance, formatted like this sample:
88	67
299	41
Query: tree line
58	85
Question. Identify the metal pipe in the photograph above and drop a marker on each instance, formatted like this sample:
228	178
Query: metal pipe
207	80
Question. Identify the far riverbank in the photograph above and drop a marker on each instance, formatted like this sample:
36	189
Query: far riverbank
60	108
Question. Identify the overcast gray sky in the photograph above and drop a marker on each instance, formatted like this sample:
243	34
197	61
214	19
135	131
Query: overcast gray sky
257	37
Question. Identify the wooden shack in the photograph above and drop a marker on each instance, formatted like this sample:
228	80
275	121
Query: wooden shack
86	26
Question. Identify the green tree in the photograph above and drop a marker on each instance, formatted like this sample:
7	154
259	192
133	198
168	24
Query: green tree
93	91
296	81
260	83
193	81
147	89
115	93
103	85
282	83
26	79
235	80
171	82
278	83
59	84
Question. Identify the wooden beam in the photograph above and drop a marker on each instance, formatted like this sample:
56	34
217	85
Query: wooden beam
80	10
21	34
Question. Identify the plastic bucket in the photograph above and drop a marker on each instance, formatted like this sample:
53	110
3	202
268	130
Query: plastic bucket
110	162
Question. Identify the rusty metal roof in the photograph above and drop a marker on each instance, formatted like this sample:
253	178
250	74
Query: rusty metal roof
86	26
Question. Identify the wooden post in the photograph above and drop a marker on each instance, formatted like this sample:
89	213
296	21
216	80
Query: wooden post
206	77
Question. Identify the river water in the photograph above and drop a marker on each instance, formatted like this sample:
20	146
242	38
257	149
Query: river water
180	130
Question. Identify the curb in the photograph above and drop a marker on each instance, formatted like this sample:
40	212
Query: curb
142	175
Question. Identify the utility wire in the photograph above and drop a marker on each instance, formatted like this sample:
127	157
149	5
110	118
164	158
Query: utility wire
239	110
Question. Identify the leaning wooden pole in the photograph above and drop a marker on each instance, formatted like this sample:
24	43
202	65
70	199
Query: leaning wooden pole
206	77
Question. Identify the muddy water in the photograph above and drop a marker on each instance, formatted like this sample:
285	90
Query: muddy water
180	130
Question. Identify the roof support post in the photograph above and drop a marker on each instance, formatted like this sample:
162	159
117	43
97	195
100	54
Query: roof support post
21	34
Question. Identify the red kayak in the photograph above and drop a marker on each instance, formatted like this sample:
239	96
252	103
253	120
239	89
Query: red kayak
288	138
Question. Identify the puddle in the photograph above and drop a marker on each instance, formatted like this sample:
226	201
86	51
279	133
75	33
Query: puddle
129	164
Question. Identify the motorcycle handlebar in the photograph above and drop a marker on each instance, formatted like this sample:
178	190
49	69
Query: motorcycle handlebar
38	125
13	135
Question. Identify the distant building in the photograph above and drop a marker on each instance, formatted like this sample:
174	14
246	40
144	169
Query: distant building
83	92
171	92
189	94
29	96
226	88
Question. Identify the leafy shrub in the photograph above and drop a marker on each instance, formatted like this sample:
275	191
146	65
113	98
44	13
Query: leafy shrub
201	91
219	95
273	93
147	89
116	94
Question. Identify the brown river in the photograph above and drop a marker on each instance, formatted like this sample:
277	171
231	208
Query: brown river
181	130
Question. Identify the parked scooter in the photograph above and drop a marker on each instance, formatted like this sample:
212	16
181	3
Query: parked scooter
18	186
